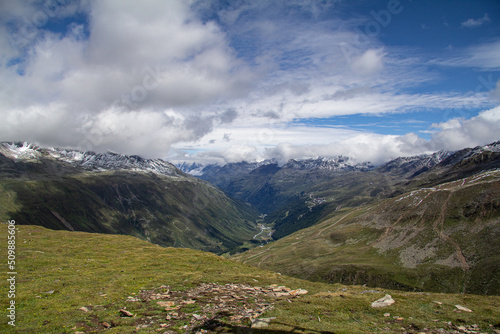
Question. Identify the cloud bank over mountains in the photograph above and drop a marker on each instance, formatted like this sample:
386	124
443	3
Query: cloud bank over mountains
248	80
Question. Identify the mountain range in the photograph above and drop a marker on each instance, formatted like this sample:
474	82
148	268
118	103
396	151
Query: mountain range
430	223
424	223
301	192
118	194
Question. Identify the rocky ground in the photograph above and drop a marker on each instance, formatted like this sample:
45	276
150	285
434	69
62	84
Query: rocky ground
215	308
208	307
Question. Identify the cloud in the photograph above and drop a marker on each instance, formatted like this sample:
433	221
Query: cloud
302	142
137	61
473	23
458	133
364	147
483	56
453	134
228	116
496	91
370	62
227	80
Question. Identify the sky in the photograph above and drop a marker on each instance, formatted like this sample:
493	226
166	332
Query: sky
218	81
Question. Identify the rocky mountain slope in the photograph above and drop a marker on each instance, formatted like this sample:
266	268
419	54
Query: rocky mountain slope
444	237
112	193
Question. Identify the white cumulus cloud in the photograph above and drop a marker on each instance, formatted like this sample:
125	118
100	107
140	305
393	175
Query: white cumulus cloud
138	60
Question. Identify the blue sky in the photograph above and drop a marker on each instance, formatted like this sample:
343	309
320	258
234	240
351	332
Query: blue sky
225	81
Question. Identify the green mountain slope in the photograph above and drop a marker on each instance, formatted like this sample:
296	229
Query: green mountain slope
170	210
444	238
74	282
302	193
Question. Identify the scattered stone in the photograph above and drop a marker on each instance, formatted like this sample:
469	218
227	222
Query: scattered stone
166	304
132	299
369	291
84	309
49	292
79	332
261	323
298	292
439	303
463	308
282	294
126	313
387	315
107	325
385	301
163	325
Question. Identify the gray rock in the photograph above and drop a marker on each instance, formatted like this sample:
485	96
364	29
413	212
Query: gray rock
385	301
261	323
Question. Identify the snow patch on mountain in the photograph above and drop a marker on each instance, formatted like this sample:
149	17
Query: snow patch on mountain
195	169
20	151
198	169
339	163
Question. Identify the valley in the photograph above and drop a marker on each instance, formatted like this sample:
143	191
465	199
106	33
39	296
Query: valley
96	235
424	223
250	166
443	238
301	193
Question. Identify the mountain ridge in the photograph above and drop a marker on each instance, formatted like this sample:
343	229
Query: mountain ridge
88	160
444	238
298	193
119	194
339	162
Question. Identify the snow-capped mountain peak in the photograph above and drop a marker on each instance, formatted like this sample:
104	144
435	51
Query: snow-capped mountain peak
87	160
